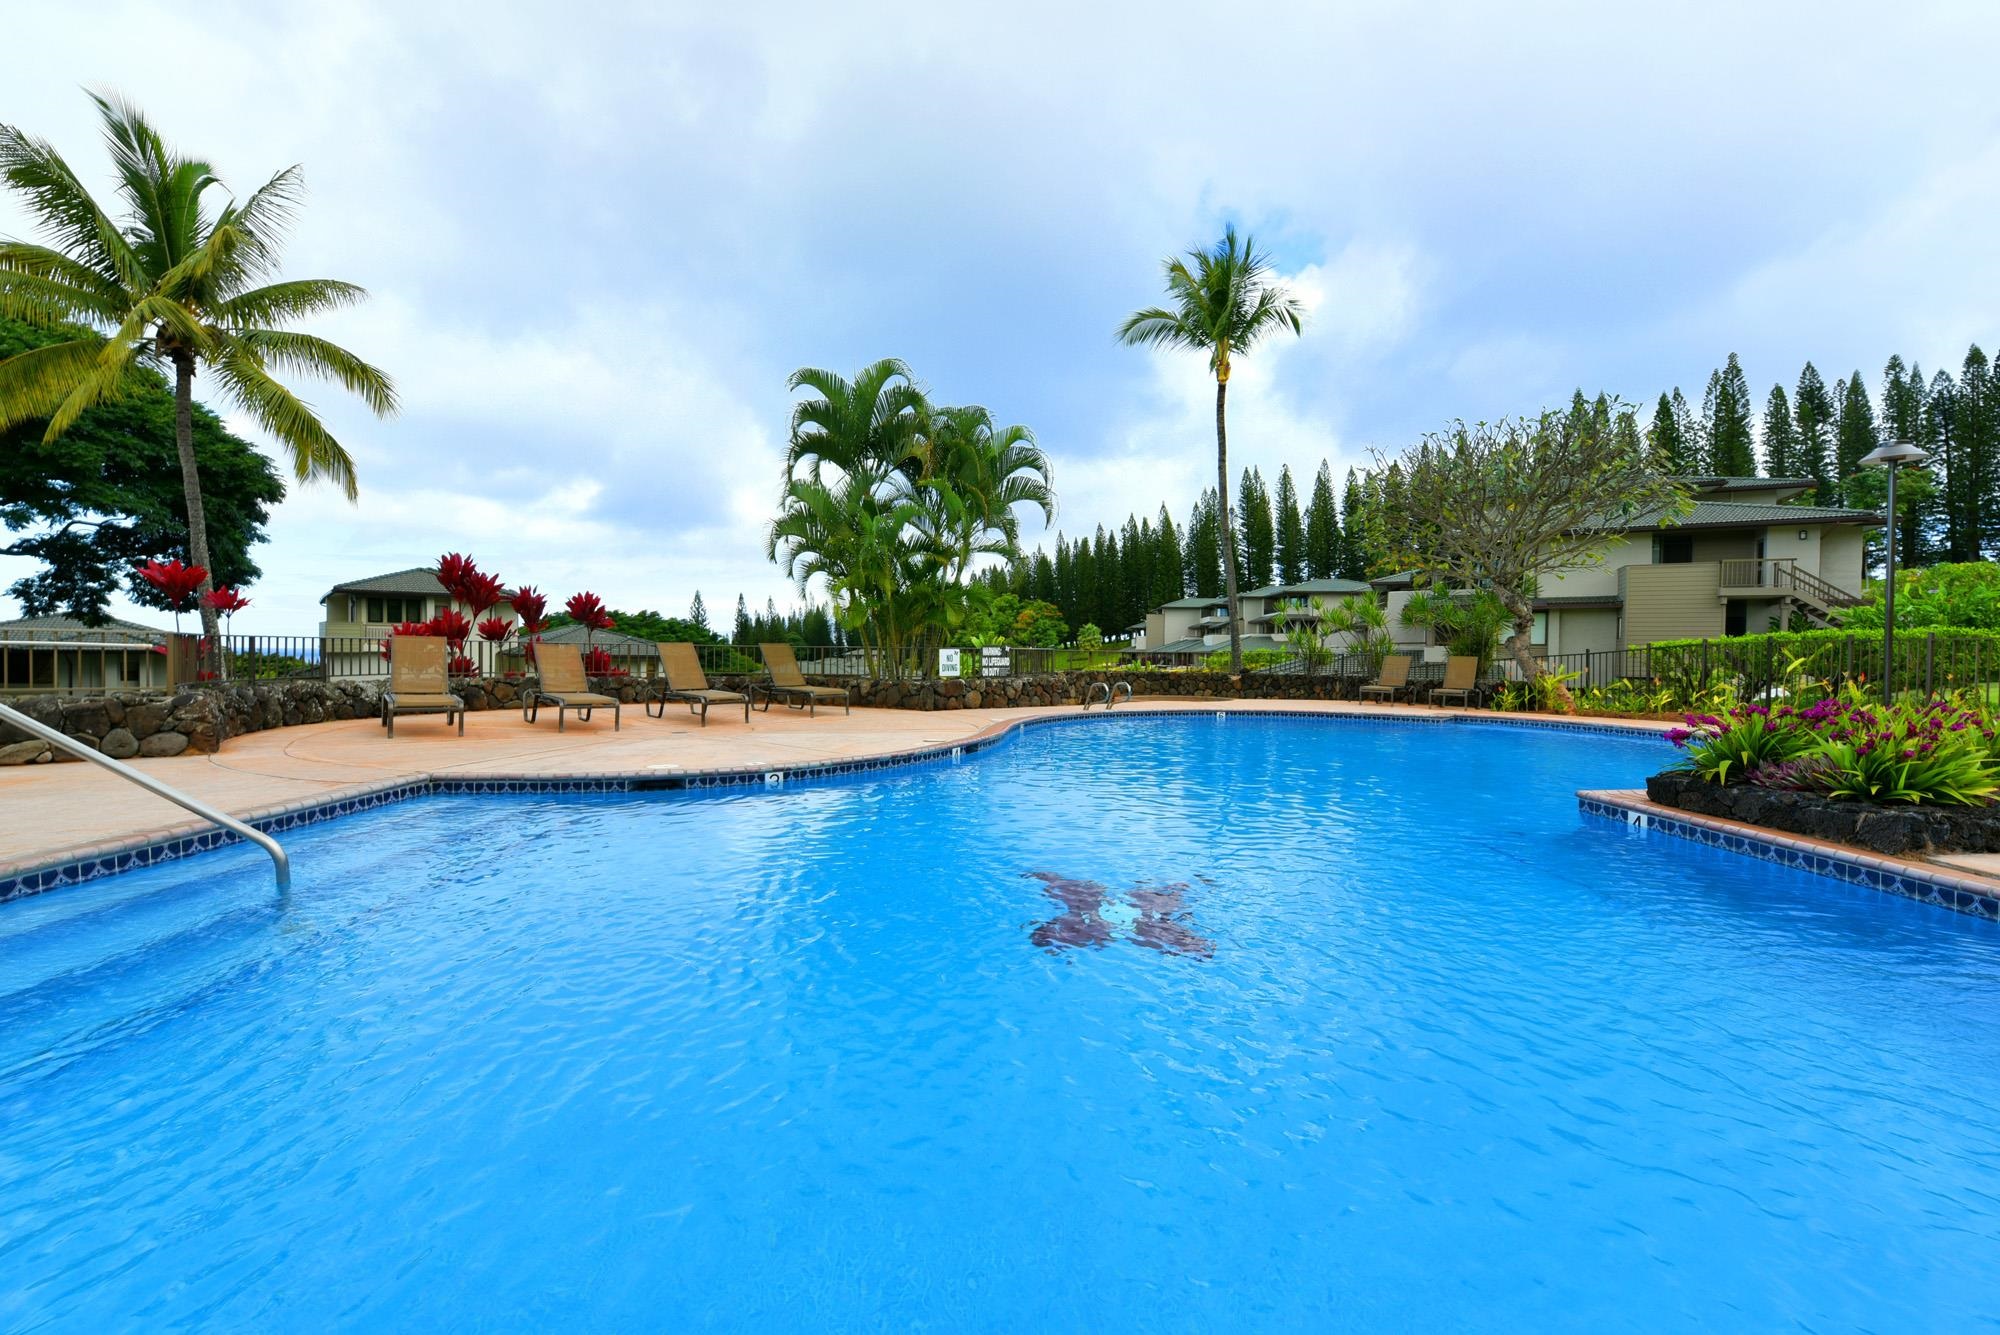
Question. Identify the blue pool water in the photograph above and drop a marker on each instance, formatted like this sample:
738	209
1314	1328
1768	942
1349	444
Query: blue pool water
1137	1025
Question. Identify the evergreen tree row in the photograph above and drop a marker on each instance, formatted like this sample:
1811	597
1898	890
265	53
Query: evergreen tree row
1949	508
1112	578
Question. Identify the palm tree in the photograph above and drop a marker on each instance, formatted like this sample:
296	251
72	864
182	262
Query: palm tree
172	284
1221	301
981	471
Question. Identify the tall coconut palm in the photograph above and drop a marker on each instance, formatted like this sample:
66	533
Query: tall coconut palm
176	284
1222	301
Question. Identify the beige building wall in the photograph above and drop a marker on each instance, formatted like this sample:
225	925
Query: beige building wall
1675	602
1576	630
1840	555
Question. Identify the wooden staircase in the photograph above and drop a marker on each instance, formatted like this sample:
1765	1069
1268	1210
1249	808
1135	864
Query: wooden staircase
1823	604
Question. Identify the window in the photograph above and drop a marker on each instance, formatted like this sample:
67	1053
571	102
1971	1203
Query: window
1672	549
389	611
1539	636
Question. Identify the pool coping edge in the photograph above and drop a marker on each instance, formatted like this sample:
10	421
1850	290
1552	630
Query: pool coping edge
1924	882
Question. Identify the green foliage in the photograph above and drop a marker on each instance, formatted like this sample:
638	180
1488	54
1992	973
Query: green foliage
1291	537
1362	623
1254	660
1258	559
1726	423
651	626
1671	447
1468	622
176	284
1006	618
891	499
1960	596
1089	638
1812	414
106	497
1493	506
1940	751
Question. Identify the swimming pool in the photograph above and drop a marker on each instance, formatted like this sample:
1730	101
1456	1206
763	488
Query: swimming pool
1138	1024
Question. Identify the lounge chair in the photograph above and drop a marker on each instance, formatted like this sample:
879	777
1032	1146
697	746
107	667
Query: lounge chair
561	681
686	681
417	682
1392	681
1461	678
787	683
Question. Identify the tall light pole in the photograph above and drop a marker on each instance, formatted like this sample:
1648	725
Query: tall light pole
1892	457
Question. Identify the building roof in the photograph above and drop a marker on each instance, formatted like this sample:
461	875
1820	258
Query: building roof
69	630
1402	579
615	642
1726	483
1203	647
1743	514
1579	600
416	580
1194	602
1308	586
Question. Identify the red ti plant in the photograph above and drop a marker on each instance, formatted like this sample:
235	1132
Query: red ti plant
175	583
454	571
589	611
493	629
597	663
226	601
532	607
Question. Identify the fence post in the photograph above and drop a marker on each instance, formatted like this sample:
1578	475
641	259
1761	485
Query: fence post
1930	663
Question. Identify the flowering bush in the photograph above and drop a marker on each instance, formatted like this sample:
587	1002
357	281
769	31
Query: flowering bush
1940	751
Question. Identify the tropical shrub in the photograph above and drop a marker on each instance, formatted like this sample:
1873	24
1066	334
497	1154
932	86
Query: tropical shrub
1956	596
1469	622
1941	751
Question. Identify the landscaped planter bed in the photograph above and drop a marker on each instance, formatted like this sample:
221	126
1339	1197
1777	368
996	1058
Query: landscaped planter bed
1893	829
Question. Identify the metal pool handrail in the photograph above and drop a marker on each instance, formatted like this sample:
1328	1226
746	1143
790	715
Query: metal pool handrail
152	785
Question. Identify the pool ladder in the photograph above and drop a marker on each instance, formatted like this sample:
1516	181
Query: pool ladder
63	741
1110	690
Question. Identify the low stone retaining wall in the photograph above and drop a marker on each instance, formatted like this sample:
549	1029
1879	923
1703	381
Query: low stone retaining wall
1893	830
201	718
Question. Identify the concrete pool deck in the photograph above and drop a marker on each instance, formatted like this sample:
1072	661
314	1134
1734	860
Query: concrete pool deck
58	814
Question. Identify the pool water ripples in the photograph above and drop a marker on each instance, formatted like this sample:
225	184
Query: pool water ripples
1449	1054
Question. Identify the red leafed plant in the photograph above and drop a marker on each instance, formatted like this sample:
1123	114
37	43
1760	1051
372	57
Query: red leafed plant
493	629
454	572
533	609
452	624
588	611
175	583
461	666
225	600
483	593
597	663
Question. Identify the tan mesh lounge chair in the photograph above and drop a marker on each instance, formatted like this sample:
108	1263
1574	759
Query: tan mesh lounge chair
686	681
417	682
1393	680
787	683
562	682
1461	678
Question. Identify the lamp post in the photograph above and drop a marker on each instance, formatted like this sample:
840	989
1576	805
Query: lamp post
1892	457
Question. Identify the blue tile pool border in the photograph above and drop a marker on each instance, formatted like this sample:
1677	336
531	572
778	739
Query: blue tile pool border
75	867
1851	866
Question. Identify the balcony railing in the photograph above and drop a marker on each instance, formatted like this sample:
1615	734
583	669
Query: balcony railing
1782	575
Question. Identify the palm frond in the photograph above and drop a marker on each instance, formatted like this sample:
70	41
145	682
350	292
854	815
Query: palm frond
101	379
58	201
308	354
315	453
280	303
91	293
33	384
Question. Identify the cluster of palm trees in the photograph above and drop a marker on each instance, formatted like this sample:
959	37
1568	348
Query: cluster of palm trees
891	499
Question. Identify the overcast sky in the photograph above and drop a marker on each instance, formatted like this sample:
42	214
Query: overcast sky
597	245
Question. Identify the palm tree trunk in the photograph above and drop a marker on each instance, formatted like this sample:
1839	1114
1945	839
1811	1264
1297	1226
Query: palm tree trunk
1228	527
191	484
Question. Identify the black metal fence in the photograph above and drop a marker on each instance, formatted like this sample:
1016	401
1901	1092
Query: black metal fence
1926	662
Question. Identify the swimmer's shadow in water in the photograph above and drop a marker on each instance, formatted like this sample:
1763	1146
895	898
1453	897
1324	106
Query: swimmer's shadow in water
1155	917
